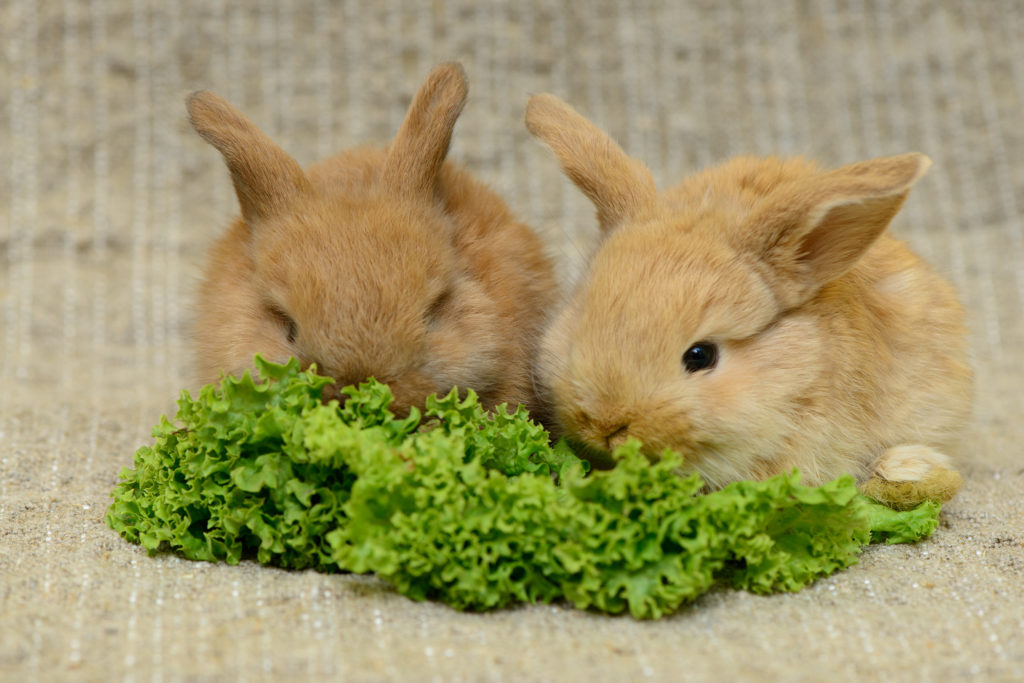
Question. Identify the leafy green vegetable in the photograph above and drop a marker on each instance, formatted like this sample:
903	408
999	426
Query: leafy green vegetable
469	507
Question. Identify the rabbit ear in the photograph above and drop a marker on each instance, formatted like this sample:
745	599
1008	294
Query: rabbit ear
266	179
618	185
819	233
422	141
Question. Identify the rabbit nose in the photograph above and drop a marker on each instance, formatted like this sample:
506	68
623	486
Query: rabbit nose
608	431
616	437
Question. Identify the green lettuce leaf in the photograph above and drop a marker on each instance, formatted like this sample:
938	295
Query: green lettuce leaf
473	508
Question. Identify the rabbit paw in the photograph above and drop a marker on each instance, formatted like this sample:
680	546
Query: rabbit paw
904	476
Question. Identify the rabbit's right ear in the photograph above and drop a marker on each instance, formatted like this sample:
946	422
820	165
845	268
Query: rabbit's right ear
618	185
422	141
266	179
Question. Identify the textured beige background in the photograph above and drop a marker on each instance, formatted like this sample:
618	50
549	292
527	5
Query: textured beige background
108	201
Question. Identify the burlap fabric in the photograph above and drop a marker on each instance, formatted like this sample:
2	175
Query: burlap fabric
108	201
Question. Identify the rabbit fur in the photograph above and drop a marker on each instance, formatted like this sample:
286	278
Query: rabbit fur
392	263
837	349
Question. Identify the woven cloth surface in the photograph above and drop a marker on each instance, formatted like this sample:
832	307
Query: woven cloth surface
108	202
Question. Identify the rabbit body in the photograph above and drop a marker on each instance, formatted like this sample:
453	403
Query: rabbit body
391	263
756	318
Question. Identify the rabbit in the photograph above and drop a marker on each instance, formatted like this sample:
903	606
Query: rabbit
756	318
391	263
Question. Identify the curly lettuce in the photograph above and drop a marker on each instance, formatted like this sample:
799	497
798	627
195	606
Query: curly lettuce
472	508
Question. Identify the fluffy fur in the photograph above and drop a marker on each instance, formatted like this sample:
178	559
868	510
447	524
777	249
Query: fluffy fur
390	263
838	347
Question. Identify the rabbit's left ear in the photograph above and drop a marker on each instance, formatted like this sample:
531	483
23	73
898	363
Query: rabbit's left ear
422	141
814	233
620	187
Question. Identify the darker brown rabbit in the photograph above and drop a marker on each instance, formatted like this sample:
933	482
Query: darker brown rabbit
391	263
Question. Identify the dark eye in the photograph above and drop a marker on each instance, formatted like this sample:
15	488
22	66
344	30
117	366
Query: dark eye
701	356
439	306
287	323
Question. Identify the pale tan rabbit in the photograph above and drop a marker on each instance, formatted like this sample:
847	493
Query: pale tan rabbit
757	318
390	263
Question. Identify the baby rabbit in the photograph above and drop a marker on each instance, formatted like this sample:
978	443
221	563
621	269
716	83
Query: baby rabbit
756	318
390	263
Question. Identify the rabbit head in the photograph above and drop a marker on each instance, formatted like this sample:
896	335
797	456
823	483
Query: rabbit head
350	266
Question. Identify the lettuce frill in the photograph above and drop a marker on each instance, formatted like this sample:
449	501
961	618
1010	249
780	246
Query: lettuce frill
472	508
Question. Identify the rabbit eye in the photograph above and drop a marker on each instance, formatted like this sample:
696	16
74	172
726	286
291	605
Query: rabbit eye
439	306
701	356
287	323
